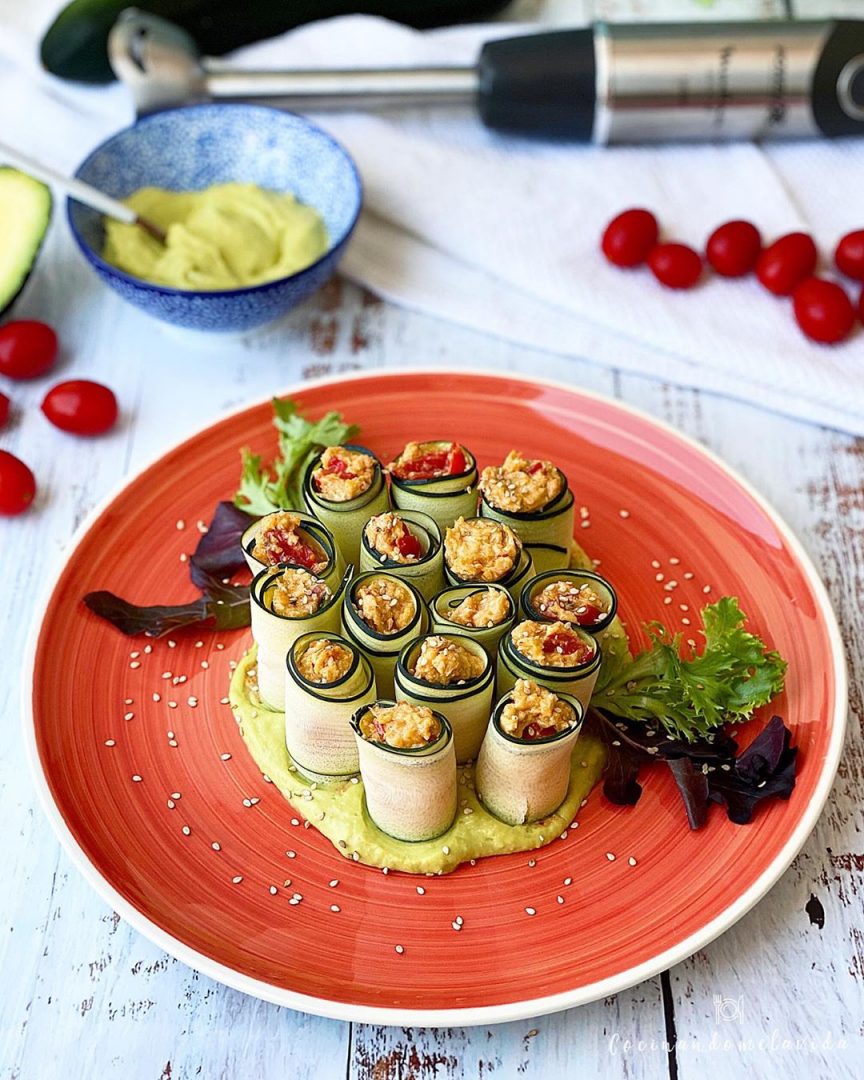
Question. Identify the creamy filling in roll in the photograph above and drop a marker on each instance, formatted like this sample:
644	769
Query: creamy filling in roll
297	592
533	712
551	644
403	726
384	604
343	474
429	461
324	661
480	549
570	602
445	662
521	485
280	539
389	535
483	608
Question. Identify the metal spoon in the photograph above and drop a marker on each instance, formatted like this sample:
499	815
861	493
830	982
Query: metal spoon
81	192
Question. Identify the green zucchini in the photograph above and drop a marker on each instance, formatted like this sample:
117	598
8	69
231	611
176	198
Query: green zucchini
25	212
75	44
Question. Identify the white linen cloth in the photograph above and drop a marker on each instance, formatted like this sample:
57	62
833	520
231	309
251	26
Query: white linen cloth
501	233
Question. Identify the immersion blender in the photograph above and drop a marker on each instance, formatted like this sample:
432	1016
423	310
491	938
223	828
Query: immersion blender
609	83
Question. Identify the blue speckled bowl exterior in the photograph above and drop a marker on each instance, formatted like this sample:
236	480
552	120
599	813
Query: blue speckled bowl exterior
196	146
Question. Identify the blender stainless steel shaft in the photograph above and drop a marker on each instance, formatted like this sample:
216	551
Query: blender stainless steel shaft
608	83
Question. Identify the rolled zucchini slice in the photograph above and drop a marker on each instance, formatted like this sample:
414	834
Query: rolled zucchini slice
466	703
411	793
310	544
443	498
275	632
547	531
470	531
580	597
318	732
375	591
459	608
426	572
523	780
577	679
345	518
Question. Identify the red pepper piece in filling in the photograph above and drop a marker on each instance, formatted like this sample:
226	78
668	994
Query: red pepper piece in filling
335	467
534	468
287	550
436	463
589	614
565	645
408	544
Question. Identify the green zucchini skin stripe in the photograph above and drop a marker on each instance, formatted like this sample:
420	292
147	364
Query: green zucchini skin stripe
601	586
314	528
451	597
382	649
427	574
443	498
547	532
522	780
346	520
318	732
578	681
275	634
411	793
467	706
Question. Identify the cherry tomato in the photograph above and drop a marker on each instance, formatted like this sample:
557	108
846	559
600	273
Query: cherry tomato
733	248
786	263
861	306
5	405
629	237
823	310
676	266
81	407
849	255
27	349
17	485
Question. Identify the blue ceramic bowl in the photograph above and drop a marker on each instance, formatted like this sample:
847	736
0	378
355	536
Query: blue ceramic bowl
199	145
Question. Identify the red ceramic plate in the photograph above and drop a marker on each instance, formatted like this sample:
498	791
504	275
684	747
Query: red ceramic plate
151	806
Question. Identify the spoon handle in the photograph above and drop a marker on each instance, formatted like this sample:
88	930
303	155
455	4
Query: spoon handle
75	189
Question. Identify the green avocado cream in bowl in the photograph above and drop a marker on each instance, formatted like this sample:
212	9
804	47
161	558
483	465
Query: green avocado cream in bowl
226	236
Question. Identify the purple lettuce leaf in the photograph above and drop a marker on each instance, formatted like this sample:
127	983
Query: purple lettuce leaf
765	770
218	553
693	788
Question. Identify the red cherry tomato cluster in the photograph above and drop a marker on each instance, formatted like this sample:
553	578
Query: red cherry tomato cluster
28	349
786	267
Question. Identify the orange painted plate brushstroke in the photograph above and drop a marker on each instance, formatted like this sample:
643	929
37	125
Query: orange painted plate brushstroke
205	857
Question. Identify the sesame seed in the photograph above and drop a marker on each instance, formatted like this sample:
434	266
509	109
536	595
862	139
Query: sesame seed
530	911
333	883
335	907
446	850
224	757
246	802
273	890
157	697
133	656
294	820
181	524
659	576
148	649
223	701
610	856
293	902
421	891
166	674
624	513
399	949
173	743
172	704
631	861
109	742
683	607
137	778
291	854
204	664
186	830
172	644
560	899
532	862
706	588
568	880
216	845
171	804
135	664
175	794
667	600
236	880
193	701
655	564
685	621
456	926
585	524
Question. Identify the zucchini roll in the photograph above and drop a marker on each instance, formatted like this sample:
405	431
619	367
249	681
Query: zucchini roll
454	674
380	615
483	613
580	597
523	771
407	545
557	655
287	601
343	488
479	551
289	536
534	499
408	767
439	478
328	679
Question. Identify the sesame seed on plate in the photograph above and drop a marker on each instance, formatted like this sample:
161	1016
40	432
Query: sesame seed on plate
148	649
157	697
193	701
223	701
135	664
171	804
420	890
181	524
385	870
273	890
224	757
530	911
166	674
610	856
236	879
624	513
173	743
134	655
667	599
685	621
706	588
137	778
585	524
560	899
456	926
172	644
689	575
187	831
172	704
204	664
459	920
659	576
333	883
216	845
399	949
446	850
109	742
655	563
246	802
631	861
335	907
568	880
532	862
183	556
175	795
291	854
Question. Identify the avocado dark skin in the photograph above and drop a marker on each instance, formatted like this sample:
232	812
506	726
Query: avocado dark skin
75	45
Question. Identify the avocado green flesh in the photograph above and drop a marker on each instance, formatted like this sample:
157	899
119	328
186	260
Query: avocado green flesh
347	825
25	212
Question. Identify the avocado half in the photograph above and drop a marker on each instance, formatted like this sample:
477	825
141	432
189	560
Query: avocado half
25	212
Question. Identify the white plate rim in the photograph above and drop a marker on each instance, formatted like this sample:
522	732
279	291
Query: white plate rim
472	1015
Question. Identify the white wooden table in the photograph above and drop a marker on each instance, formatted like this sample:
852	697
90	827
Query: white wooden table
82	995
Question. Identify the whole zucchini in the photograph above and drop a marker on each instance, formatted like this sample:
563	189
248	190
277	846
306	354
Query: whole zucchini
75	45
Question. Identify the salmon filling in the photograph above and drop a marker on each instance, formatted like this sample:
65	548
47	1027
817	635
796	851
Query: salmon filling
390	537
325	661
533	712
297	592
521	485
281	540
403	726
552	644
479	549
569	602
343	474
445	662
384	604
484	608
